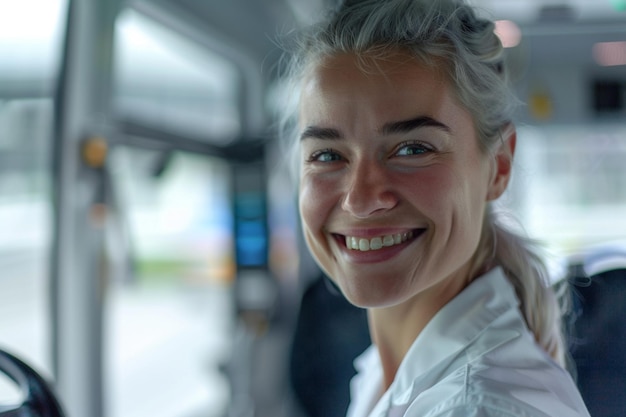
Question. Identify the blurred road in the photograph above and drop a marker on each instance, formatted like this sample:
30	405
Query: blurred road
24	305
163	346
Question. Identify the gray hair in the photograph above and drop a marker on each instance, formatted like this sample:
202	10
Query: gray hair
448	35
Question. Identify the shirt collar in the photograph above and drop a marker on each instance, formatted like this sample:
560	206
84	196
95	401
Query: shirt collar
459	322
450	331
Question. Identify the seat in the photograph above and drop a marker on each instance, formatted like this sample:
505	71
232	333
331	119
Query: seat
597	335
38	399
330	333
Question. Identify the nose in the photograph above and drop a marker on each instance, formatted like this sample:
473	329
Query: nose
369	190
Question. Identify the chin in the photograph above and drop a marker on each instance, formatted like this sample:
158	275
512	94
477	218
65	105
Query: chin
364	295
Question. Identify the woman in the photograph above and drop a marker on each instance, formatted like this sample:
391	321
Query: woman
405	138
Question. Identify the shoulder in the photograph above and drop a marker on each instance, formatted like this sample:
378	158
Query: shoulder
480	390
494	404
487	406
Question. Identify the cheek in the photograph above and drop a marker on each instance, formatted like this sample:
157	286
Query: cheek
429	190
450	196
314	202
470	200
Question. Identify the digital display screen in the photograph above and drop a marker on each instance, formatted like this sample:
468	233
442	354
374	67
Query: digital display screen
251	237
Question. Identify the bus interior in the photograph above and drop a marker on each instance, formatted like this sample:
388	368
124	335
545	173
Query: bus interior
151	256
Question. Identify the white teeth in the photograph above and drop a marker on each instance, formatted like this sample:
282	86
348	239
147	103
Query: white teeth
377	243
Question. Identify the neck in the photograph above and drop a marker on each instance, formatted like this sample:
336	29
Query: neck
394	329
394	332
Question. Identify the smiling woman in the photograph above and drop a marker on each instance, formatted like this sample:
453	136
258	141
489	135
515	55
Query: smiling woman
405	138
400	163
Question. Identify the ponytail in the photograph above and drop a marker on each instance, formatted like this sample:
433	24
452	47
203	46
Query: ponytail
519	258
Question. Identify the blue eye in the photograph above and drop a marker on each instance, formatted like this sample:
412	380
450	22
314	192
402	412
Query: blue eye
412	148
325	155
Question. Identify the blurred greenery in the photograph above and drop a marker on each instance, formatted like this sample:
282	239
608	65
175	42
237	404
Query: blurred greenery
161	271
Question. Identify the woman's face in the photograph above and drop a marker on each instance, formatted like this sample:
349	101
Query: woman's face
393	183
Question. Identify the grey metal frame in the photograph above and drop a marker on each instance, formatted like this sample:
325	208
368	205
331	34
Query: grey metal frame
76	273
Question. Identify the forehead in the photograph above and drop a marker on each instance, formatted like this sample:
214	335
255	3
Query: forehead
391	65
385	88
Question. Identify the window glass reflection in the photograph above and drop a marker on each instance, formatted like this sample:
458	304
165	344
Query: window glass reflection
169	313
166	81
30	51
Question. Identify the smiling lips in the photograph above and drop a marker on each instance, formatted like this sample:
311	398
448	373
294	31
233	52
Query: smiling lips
376	243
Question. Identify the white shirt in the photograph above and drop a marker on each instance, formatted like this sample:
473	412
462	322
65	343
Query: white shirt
475	358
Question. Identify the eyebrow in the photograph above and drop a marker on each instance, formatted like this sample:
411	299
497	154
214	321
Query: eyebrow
405	126
402	126
315	132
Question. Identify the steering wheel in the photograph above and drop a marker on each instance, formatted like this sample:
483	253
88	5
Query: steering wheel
38	398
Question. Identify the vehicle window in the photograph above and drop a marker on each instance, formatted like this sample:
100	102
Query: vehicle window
168	312
169	315
570	187
30	51
166	81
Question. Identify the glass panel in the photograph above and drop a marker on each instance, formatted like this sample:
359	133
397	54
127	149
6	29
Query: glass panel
169	312
30	49
166	81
